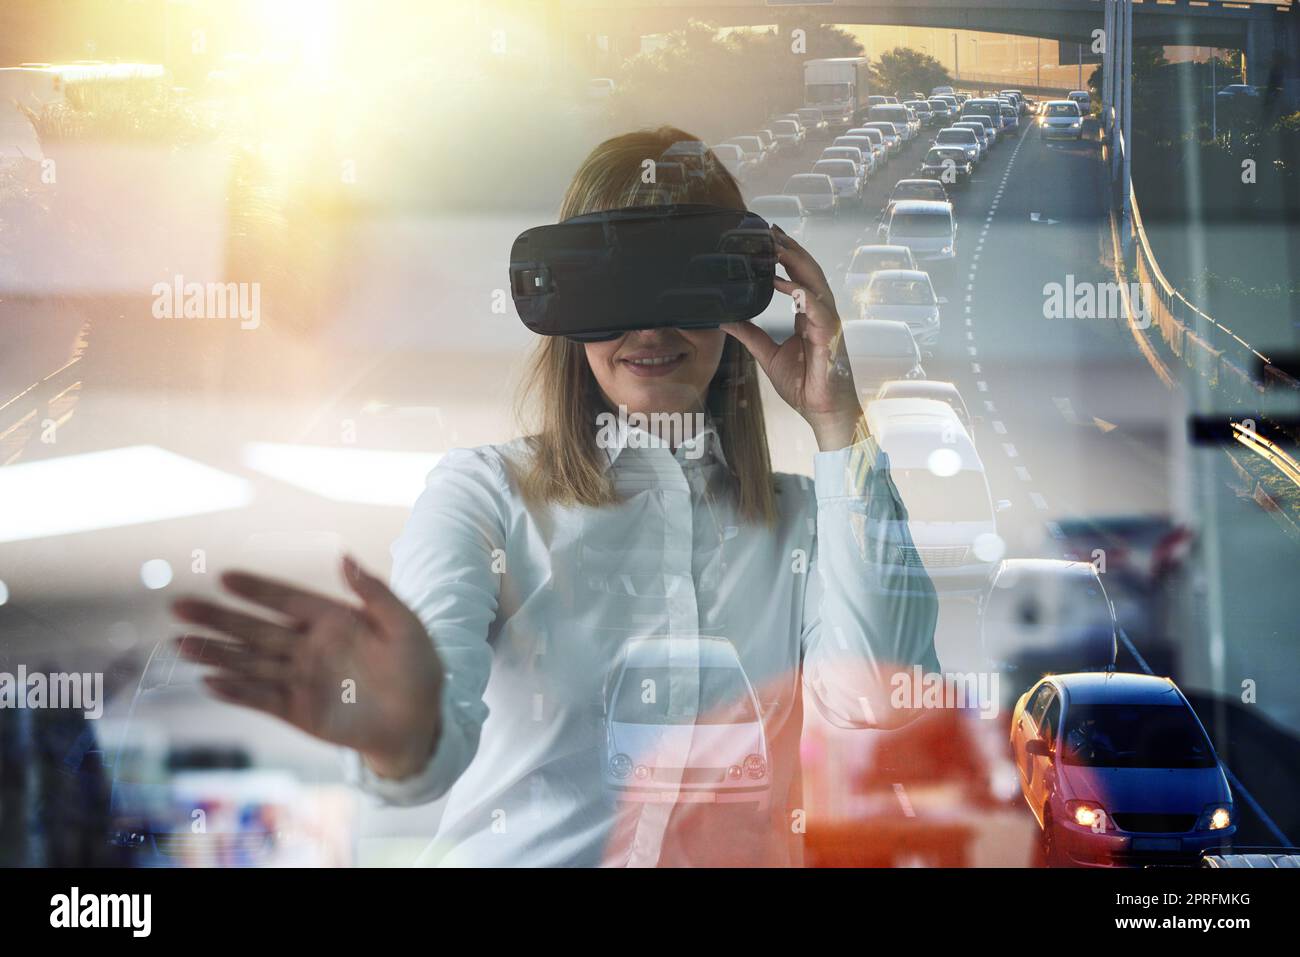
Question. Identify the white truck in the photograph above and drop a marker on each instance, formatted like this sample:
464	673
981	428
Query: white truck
838	87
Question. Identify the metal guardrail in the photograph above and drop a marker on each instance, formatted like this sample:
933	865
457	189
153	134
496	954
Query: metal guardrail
1205	345
1270	451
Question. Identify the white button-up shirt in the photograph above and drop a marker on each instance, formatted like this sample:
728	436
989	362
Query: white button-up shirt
624	685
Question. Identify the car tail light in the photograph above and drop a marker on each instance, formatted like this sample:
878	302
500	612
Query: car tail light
620	765
755	766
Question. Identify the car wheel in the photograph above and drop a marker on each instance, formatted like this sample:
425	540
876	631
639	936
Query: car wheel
1049	851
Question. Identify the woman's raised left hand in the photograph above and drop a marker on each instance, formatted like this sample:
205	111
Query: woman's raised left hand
810	370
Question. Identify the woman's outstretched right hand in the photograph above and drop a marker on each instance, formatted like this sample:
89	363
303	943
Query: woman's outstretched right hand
366	677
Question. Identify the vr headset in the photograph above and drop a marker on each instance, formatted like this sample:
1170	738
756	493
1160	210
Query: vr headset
600	275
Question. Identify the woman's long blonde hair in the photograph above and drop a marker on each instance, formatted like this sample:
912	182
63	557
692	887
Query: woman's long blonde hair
560	390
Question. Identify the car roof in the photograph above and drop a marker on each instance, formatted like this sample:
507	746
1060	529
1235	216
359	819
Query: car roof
784	199
713	652
959	129
920	386
912	274
924	207
882	248
915	181
1118	687
805	177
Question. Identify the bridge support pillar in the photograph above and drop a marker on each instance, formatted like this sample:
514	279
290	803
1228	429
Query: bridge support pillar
1272	55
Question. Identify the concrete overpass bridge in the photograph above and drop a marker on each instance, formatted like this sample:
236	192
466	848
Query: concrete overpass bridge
1265	31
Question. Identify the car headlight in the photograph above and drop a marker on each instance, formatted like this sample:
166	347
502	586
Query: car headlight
1089	814
946	250
971	152
1215	817
755	766
620	765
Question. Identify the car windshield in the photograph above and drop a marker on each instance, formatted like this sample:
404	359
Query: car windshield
922	225
892	341
871	261
835	167
1062	109
785	126
808	184
900	292
926	190
652	696
1134	736
955	136
776	208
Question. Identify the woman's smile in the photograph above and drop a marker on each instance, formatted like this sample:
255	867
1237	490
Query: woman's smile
653	363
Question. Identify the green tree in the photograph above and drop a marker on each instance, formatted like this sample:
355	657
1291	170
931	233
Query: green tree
902	70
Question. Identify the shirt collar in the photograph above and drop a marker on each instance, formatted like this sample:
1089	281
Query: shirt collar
616	434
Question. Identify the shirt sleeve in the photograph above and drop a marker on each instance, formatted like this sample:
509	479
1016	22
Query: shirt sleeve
867	616
447	567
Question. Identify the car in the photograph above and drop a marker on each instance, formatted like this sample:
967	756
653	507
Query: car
780	210
1045	614
814	123
600	88
735	161
980	131
991	127
923	111
789	135
692	155
1118	771
752	147
1060	119
651	755
770	145
877	99
869	259
941	90
928	389
880	350
1010	116
893	139
940	111
915	189
941	483
847	177
863	144
866	163
1017	97
1083	98
877	140
925	227
963	138
985	106
815	191
895	113
905	295
946	165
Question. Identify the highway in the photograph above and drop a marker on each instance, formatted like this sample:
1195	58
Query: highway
1071	423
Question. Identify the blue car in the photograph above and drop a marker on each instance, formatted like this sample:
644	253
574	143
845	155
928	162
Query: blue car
1118	771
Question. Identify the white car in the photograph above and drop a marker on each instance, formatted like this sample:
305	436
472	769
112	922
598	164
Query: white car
923	226
780	210
962	138
929	389
905	295
1083	98
847	177
893	139
735	161
816	191
868	259
866	145
941	482
683	725
1060	119
880	350
1047	615
865	163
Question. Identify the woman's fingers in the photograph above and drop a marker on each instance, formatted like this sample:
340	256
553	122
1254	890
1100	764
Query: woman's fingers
263	635
231	659
297	603
754	338
380	602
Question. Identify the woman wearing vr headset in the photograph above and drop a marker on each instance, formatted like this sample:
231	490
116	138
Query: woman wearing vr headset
625	622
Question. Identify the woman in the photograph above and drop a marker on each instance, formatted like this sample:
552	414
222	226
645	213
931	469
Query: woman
581	594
